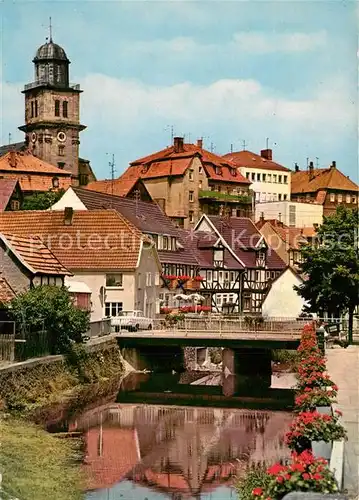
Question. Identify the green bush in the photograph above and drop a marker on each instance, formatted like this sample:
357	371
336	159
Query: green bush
255	477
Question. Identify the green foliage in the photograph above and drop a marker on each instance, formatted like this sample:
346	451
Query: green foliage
286	357
50	308
37	465
255	477
225	196
41	201
332	266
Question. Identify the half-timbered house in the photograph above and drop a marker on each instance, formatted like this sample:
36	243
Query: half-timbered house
243	264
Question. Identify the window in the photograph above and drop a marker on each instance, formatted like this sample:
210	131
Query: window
32	109
258	177
191	216
274	177
61	150
114	280
292	215
113	308
332	197
269	177
247	175
285	179
233	277
57	108
173	243
209	276
15	205
284	197
218	299
279	197
165	242
191	196
247	302
340	198
139	281
354	199
200	184
148	279
200	170
280	179
36	108
61	164
253	176
65	109
348	198
191	174
55	182
264	176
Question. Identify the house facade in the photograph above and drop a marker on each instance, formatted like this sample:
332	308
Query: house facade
187	181
282	301
256	264
291	213
327	187
102	250
11	196
270	180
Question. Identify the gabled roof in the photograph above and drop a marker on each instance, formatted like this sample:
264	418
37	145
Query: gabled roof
7	188
6	292
94	240
321	179
243	239
293	237
121	186
34	254
145	215
252	160
169	162
32	173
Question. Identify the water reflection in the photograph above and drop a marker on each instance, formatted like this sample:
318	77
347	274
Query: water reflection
166	452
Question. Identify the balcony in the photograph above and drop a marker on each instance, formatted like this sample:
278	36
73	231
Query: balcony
224	197
41	83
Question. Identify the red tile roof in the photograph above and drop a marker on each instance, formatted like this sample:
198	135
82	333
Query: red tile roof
252	160
294	237
95	240
7	187
321	179
117	187
6	292
32	252
168	162
32	173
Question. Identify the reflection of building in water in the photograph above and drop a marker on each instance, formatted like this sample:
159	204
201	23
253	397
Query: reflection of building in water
179	450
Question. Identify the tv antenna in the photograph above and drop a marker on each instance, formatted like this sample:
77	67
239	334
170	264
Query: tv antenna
50	29
9	138
171	129
212	147
244	144
111	164
267	142
317	162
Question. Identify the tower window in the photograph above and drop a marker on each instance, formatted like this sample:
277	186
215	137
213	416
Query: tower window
57	108
55	182
32	109
64	109
36	109
61	164
61	150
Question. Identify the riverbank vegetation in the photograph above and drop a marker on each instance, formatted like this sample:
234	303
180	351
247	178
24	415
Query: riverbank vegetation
37	465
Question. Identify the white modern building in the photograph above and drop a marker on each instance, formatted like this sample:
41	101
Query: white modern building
290	213
270	180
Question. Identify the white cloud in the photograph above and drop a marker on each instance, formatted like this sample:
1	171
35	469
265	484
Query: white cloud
257	42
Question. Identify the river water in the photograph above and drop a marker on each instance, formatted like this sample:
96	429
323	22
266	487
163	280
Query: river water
159	452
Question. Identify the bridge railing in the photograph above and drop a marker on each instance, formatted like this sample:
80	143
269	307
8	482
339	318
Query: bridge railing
220	325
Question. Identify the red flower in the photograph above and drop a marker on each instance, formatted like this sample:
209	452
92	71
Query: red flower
306	476
279	479
317	477
287	477
275	469
257	492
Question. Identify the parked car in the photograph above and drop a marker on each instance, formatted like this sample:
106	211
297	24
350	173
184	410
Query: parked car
131	321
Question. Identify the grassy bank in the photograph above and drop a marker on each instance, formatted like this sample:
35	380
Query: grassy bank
38	466
33	386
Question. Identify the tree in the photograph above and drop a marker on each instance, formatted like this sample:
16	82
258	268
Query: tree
50	308
41	201
331	267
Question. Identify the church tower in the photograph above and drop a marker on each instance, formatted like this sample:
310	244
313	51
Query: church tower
52	110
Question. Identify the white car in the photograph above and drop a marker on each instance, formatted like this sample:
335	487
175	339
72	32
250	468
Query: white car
131	321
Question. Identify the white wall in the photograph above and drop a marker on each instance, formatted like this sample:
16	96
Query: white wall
282	301
68	199
268	191
147	282
306	214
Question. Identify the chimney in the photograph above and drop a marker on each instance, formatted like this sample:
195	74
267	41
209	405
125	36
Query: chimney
334	164
296	167
68	216
266	154
311	170
12	159
280	218
178	144
262	216
200	143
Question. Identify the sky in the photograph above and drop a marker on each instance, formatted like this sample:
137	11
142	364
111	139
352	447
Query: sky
227	71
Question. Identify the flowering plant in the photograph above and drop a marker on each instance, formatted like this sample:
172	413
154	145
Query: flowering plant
313	363
169	276
315	379
304	473
313	426
198	278
310	398
165	310
183	277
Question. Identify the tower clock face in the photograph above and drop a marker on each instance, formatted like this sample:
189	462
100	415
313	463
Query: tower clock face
61	137
33	137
